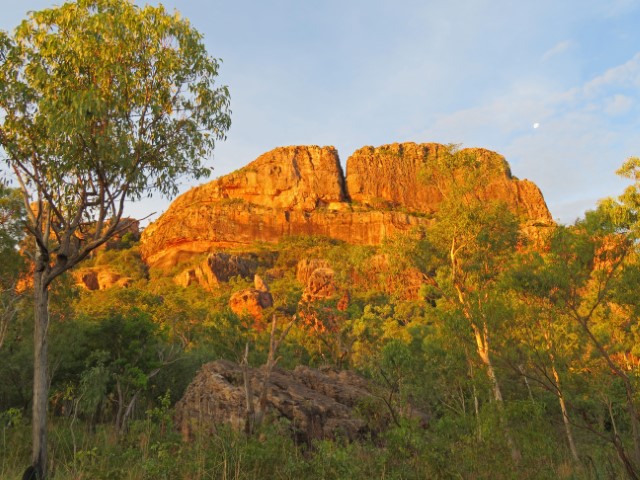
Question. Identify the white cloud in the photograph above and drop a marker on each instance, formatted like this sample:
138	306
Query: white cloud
557	49
618	104
625	75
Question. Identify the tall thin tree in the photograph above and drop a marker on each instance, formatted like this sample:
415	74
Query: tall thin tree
101	102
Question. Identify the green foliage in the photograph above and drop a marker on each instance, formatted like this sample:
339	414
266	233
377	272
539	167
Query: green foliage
12	217
126	261
135	81
12	266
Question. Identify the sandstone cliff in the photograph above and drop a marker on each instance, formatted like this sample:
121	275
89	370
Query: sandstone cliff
302	191
394	176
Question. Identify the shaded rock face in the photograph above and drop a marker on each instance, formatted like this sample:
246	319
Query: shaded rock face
317	404
302	191
99	278
217	268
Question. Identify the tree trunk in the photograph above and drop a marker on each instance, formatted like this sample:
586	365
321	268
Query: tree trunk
120	410
40	369
565	414
482	343
560	395
127	413
633	418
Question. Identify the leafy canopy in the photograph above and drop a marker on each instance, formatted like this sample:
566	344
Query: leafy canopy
102	101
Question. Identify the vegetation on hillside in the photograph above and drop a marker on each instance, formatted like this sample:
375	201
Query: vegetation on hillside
524	357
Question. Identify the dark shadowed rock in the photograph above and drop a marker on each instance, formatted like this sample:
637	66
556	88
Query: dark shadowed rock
217	268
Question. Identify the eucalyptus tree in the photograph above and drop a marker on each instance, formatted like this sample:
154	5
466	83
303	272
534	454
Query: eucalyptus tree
584	276
101	102
476	239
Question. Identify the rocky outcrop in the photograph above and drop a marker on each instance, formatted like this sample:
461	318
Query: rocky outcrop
317	277
172	240
404	282
307	266
320	285
217	268
316	404
302	191
287	178
98	278
398	175
252	301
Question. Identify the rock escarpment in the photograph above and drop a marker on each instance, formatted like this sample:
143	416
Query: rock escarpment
302	191
395	176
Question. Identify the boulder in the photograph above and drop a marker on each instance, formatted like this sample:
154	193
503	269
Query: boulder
260	284
250	301
314	403
87	279
320	285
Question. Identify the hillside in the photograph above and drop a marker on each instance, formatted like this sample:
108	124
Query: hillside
419	317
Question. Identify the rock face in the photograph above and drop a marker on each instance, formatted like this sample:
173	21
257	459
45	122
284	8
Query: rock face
98	278
252	301
317	403
288	178
302	191
395	176
218	267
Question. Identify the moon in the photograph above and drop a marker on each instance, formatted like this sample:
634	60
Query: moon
536	125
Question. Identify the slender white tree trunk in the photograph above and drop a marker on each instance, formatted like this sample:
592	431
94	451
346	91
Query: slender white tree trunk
565	415
482	344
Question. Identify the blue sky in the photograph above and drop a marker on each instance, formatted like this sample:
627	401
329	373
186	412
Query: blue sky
481	73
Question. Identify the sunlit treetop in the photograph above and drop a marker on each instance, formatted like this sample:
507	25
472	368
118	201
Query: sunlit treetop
104	100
